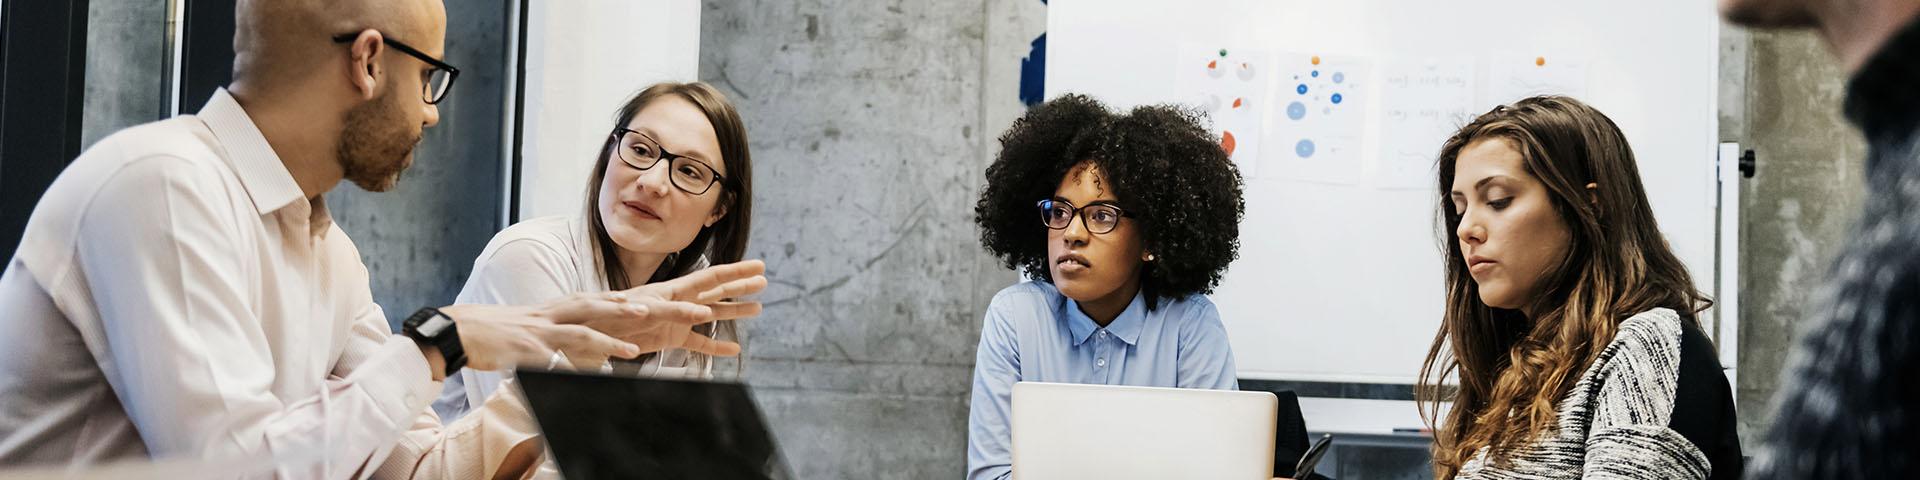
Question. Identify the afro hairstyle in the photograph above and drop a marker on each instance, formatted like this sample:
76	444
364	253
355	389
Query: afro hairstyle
1167	172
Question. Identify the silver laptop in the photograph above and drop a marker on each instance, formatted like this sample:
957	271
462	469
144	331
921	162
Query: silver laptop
1114	432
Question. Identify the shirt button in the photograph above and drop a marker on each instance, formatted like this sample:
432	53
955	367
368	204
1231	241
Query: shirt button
1100	363
1103	334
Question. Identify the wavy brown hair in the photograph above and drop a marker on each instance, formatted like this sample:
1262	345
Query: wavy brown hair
1513	370
722	243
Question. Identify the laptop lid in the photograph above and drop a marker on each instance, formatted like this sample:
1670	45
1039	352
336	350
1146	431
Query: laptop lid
618	427
1114	432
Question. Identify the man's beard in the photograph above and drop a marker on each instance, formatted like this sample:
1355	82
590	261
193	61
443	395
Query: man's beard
375	145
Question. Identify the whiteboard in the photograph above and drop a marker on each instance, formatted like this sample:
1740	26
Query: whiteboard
584	59
1339	277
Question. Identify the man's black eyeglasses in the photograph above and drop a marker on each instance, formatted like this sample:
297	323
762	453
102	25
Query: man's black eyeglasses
437	81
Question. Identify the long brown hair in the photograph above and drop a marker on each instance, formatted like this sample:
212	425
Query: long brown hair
1514	370
723	242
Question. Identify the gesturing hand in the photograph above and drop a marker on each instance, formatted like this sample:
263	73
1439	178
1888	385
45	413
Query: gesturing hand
679	304
589	328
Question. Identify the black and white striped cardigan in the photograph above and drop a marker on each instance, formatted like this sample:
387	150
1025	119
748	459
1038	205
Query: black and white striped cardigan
1614	423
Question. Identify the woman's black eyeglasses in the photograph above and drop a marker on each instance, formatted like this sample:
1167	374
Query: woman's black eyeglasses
1099	218
641	152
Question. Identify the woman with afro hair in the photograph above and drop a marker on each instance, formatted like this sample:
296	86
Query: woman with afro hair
1122	223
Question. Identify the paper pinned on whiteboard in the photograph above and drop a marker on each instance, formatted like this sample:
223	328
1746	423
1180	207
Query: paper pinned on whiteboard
1229	85
1319	119
1426	99
1512	77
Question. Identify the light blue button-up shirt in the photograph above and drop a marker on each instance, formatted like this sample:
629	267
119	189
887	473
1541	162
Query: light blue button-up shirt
1035	334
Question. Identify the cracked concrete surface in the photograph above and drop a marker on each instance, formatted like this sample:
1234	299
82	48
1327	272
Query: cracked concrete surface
863	120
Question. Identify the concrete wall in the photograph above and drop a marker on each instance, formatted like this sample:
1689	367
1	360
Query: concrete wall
872	124
126	66
1781	96
419	240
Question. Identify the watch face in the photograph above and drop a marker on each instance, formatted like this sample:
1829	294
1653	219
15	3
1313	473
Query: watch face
434	325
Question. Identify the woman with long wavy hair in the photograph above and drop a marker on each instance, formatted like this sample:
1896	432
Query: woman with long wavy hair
1570	325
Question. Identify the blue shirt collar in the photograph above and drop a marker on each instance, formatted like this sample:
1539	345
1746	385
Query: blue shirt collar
1126	327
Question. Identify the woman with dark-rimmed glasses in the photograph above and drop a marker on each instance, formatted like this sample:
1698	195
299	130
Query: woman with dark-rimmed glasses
1122	223
671	193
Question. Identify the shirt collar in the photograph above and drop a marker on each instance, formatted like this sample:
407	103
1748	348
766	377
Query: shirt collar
1882	98
1126	327
265	177
262	173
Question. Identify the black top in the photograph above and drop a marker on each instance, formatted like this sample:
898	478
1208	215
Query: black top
1849	403
1703	405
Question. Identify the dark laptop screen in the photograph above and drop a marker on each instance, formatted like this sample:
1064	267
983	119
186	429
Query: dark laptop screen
614	427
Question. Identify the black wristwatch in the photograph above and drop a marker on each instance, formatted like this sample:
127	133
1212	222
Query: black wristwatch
430	327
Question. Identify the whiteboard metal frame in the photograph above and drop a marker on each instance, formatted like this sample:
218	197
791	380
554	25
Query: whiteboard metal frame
1727	304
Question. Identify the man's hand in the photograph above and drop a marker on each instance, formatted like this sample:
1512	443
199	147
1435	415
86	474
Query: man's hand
587	329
